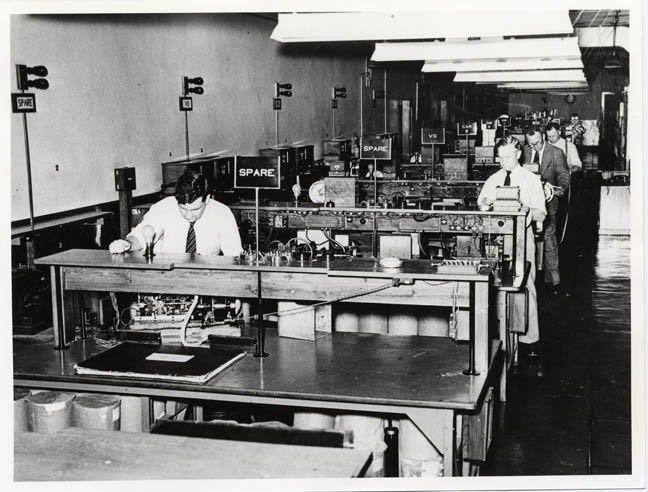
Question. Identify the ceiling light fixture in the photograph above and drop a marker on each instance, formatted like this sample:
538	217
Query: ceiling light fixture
543	85
522	76
448	51
503	64
424	24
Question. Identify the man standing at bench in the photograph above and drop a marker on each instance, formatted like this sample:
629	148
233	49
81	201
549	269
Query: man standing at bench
188	222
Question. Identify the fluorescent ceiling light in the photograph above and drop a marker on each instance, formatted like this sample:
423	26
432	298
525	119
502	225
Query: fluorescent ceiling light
371	26
598	37
542	85
566	47
521	76
503	64
583	90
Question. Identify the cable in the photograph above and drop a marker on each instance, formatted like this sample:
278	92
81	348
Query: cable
421	248
121	314
310	240
474	241
310	307
562	237
434	284
185	323
304	241
113	301
341	246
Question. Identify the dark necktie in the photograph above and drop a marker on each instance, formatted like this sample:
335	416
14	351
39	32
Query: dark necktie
507	179
536	158
191	239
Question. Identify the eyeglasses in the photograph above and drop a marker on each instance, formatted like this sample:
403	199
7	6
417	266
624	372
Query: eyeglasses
536	144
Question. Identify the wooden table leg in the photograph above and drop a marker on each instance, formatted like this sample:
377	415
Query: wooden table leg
198	412
449	444
505	339
479	309
147	412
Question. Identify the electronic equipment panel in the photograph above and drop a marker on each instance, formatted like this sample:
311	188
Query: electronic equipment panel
386	220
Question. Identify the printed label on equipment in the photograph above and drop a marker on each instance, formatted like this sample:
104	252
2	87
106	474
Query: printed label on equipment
156	356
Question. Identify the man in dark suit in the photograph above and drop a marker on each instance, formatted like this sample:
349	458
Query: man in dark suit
553	170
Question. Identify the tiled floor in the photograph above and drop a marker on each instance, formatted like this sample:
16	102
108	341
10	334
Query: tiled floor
575	419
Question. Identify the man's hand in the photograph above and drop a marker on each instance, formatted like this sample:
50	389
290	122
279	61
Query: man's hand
558	191
486	203
119	246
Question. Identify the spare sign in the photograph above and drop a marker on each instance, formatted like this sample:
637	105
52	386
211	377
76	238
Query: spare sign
257	172
374	147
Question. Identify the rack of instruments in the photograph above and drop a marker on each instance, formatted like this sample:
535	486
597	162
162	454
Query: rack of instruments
311	230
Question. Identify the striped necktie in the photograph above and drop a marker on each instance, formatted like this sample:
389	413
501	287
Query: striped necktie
191	239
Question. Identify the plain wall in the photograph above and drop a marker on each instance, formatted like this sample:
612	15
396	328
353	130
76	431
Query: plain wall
113	98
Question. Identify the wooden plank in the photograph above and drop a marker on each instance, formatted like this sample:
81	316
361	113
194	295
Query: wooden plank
103	259
305	287
78	454
517	311
178	281
478	430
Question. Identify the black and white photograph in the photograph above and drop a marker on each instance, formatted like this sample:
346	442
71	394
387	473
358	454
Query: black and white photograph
322	246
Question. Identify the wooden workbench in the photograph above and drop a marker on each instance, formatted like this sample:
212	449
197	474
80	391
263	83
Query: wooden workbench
435	381
80	454
421	377
319	280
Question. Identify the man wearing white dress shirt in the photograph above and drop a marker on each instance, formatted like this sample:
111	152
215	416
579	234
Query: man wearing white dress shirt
552	132
188	222
508	150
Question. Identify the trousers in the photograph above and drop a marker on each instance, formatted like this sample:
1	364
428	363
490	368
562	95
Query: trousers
533	331
551	270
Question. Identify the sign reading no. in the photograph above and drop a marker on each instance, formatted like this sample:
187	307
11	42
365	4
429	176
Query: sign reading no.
257	172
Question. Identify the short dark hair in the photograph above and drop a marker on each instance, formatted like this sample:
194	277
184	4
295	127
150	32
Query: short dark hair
508	140
532	130
552	125
191	186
